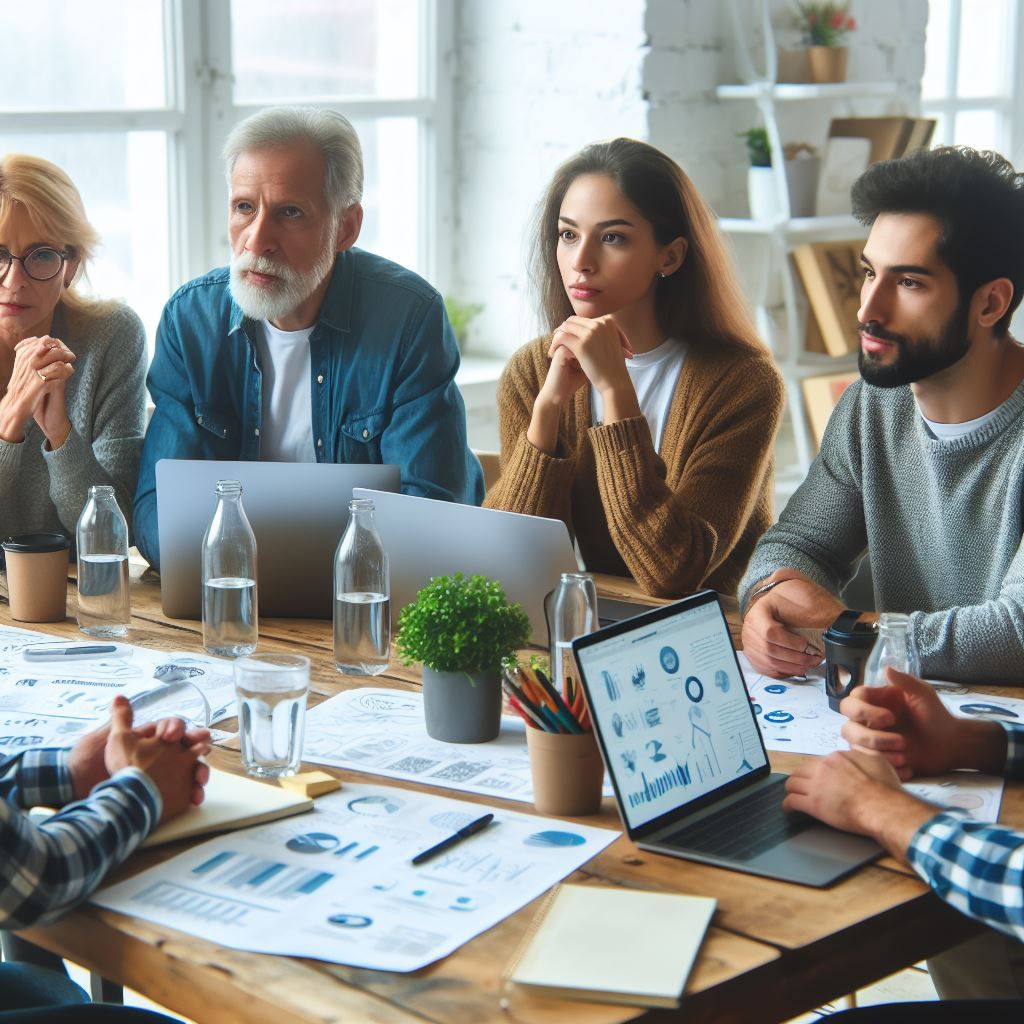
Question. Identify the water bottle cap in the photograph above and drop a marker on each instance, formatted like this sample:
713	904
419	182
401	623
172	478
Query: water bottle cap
229	486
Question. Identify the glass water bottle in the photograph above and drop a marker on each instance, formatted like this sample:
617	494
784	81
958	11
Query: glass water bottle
891	650
574	613
104	604
230	619
362	596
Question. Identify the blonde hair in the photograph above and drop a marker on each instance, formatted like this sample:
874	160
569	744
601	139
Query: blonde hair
48	198
702	301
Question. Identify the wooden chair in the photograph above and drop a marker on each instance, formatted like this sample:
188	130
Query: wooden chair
491	467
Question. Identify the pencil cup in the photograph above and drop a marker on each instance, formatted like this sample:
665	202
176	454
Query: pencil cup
37	576
567	772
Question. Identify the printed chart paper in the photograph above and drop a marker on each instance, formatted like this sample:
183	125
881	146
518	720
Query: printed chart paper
337	884
382	732
793	715
52	703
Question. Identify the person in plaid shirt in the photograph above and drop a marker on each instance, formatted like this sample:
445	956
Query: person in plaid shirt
114	787
900	731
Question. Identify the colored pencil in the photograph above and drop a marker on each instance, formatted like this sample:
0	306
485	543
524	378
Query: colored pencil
562	710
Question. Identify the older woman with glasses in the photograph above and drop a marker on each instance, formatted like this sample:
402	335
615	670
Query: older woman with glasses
72	368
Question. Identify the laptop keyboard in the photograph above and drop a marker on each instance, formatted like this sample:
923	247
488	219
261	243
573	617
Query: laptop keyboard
745	828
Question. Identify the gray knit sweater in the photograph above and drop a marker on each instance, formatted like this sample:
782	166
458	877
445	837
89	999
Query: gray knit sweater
941	522
44	490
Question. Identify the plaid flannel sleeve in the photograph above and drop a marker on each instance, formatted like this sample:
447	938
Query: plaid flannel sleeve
975	867
48	867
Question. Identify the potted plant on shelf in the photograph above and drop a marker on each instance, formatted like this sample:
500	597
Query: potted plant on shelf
761	188
463	631
460	316
824	27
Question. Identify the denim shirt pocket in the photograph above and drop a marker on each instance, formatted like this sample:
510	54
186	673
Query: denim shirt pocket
217	425
360	438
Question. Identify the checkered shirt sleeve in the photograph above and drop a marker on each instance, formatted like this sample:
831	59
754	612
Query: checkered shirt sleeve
975	867
48	867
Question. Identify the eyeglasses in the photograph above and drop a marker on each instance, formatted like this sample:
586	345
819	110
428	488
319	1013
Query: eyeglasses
41	263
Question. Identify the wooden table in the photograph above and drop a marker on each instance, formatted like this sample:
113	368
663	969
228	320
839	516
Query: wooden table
774	949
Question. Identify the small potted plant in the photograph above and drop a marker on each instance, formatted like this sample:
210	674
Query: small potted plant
824	27
463	631
762	190
460	316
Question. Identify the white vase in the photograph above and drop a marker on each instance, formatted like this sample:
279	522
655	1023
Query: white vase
763	194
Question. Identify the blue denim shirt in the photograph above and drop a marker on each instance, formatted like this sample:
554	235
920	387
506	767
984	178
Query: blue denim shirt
383	384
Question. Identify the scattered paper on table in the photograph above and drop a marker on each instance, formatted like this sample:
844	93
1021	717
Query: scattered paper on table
383	732
337	884
52	703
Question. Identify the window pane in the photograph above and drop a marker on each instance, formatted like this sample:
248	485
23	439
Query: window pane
981	129
326	49
123	181
391	200
936	51
69	55
985	39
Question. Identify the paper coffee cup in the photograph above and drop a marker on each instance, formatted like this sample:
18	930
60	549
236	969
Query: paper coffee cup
37	576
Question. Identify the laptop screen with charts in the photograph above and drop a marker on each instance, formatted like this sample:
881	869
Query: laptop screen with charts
680	738
298	512
425	537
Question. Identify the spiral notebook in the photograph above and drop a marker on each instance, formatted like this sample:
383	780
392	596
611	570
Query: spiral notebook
613	945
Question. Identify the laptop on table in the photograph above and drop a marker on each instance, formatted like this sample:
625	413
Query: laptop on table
298	512
680	739
424	537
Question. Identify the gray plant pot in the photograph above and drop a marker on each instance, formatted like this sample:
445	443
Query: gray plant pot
460	711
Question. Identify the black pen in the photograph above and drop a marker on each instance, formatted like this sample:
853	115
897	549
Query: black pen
463	833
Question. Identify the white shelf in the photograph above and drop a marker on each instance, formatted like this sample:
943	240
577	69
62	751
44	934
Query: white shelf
787	91
795	227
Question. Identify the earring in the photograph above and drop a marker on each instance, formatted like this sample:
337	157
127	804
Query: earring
662	275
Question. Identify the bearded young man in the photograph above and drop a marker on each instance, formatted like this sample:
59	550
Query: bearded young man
922	464
305	349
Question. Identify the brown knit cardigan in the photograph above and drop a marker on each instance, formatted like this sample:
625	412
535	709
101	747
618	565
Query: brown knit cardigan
687	518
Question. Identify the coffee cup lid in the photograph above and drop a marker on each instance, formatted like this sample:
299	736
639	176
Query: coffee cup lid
36	542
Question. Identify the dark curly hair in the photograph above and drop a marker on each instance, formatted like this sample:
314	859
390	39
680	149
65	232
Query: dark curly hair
977	198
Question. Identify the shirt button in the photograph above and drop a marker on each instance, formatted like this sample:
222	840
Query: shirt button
319	442
257	431
200	421
319	378
366	433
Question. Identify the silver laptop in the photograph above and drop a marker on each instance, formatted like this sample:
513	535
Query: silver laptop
425	538
298	511
680	739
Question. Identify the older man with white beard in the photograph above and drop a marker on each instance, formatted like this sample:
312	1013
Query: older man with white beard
305	349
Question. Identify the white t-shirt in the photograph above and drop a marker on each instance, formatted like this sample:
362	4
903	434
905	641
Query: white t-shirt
951	431
654	375
286	434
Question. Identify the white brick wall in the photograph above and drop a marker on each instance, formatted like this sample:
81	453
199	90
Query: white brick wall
538	79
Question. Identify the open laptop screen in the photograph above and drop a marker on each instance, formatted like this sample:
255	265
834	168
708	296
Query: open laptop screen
672	709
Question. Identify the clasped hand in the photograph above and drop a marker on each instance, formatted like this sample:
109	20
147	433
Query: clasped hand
581	350
30	396
166	751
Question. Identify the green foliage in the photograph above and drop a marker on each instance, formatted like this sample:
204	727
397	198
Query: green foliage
461	315
460	625
759	149
824	24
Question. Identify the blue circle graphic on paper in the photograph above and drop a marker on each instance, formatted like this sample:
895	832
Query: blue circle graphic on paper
553	838
778	717
350	920
694	689
757	709
375	806
312	842
669	660
775	688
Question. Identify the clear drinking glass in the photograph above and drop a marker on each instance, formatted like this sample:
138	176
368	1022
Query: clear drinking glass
574	613
104	603
230	616
271	690
362	596
891	650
